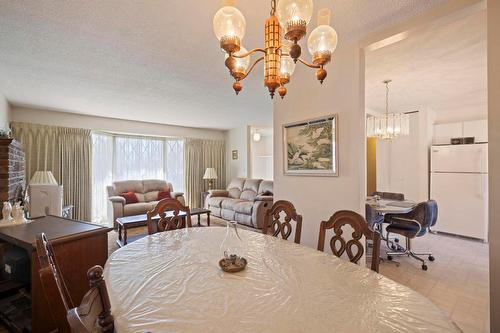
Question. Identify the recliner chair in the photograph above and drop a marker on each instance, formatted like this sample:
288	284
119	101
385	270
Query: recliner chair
411	225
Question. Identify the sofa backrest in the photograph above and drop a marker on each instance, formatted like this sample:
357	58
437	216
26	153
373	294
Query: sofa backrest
250	189
146	190
266	188
235	187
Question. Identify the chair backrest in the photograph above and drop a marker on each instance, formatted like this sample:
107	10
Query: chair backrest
433	211
372	217
172	215
339	244
390	195
273	223
426	214
95	306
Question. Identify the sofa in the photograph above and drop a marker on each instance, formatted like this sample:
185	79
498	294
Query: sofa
146	192
244	201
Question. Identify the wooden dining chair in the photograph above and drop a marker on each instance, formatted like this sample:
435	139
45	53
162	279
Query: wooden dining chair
339	244
173	215
273	224
95	307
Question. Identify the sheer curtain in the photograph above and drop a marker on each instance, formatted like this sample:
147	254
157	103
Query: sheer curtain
102	176
120	157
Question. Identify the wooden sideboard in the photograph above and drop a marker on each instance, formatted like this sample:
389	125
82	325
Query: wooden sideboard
78	246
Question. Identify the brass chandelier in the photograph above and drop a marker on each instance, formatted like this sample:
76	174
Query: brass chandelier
279	56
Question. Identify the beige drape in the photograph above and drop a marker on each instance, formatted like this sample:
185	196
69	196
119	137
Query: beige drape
199	155
67	152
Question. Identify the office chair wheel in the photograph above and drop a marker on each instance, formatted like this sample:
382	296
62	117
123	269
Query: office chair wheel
389	257
424	267
431	258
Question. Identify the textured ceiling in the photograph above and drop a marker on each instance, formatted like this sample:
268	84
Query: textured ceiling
150	60
441	67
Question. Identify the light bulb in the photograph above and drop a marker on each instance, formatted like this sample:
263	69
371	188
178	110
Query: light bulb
294	15
240	64
228	23
294	10
287	66
322	40
256	137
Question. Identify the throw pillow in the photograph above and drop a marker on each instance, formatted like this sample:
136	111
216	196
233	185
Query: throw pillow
130	197
164	195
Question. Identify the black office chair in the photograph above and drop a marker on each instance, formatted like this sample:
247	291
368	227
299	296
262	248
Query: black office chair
411	225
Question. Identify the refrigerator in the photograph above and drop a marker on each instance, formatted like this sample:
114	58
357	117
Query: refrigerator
459	184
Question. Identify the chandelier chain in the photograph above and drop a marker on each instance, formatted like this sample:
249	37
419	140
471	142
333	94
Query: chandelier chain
273	7
386	97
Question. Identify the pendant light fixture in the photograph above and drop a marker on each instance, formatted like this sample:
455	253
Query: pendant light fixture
285	27
389	125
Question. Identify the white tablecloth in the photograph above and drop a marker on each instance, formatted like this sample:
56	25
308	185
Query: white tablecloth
171	282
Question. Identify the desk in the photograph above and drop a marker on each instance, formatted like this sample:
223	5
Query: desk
171	282
77	245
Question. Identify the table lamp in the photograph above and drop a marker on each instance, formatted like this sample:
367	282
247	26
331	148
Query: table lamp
210	174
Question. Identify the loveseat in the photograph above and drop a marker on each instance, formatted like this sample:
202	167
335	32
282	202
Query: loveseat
146	192
244	201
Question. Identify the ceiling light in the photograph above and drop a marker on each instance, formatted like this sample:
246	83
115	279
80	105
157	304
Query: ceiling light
281	51
389	125
256	137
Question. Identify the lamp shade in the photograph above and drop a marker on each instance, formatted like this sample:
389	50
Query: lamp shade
43	178
210	174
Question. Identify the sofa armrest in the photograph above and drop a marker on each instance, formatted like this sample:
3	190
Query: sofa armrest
117	199
218	193
264	198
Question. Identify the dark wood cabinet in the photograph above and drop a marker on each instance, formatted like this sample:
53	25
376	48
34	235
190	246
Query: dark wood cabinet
78	246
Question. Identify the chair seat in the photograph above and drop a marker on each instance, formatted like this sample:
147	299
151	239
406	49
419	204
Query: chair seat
405	229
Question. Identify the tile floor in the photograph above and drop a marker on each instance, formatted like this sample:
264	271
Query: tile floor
457	282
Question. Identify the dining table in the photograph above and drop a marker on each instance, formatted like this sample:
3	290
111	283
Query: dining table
171	282
390	206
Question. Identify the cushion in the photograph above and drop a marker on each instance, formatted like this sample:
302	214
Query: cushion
215	201
248	195
235	187
141	197
266	187
164	195
229	203
128	186
130	197
137	208
151	196
155	185
244	207
252	184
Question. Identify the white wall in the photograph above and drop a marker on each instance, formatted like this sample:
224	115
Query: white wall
4	113
403	163
237	139
494	158
317	198
261	155
67	119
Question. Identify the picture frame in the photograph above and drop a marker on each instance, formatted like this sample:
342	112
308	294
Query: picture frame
310	147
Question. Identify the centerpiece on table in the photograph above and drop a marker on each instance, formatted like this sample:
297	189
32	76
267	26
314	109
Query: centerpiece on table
232	250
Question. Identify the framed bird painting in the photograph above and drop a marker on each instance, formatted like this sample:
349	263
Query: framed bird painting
310	147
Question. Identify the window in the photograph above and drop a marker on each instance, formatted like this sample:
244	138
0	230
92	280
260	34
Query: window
119	157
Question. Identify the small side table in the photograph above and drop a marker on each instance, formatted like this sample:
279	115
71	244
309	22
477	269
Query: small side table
203	199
